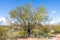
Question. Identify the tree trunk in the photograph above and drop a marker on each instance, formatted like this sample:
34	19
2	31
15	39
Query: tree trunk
28	29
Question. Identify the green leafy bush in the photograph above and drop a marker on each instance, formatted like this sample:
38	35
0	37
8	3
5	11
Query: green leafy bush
57	28
3	35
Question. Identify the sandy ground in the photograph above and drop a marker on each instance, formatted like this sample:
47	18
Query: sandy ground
54	38
32	39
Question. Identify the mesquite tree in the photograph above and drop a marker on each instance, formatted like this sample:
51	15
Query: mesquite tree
29	15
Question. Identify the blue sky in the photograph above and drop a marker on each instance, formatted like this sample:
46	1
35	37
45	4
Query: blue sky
53	7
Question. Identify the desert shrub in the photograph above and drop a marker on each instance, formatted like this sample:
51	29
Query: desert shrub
3	35
21	34
57	28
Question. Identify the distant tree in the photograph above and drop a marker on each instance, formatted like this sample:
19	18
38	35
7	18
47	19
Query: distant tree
28	15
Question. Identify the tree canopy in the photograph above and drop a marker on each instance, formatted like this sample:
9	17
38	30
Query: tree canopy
28	13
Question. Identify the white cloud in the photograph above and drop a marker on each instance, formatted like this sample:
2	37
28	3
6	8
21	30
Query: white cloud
59	19
55	21
4	21
53	11
52	22
12	22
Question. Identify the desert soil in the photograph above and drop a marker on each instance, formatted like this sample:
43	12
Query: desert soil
54	38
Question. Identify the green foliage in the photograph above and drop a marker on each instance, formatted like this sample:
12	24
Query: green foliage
26	13
57	28
46	29
21	33
3	35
